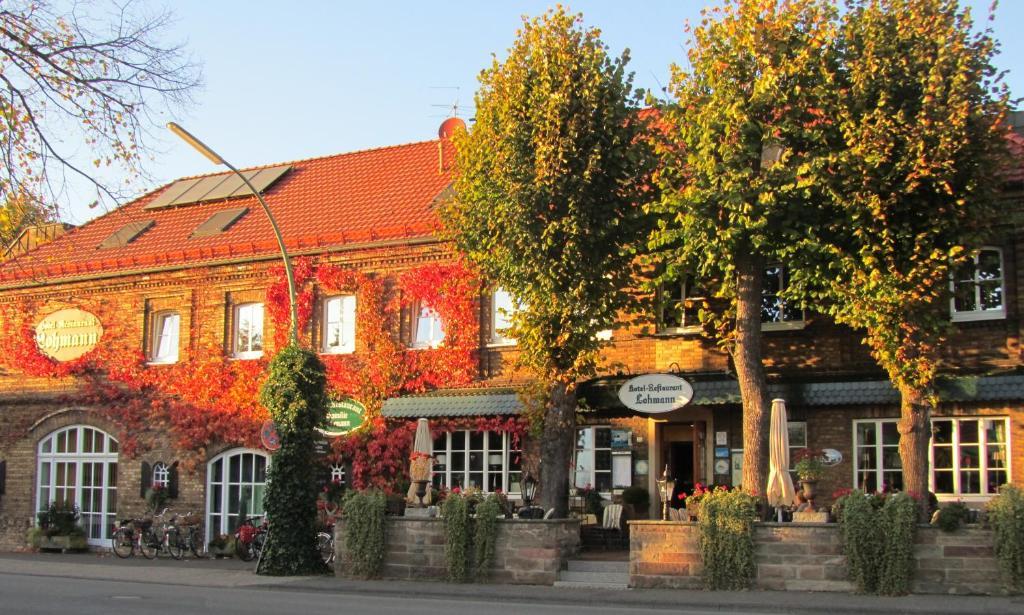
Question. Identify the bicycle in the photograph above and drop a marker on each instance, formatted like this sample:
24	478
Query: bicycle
249	538
191	533
325	544
135	535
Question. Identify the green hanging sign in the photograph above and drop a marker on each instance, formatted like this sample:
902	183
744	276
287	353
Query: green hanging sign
343	417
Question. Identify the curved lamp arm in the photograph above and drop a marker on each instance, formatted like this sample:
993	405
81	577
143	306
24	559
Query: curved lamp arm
215	158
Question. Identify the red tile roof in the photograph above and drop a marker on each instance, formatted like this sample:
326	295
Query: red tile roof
373	195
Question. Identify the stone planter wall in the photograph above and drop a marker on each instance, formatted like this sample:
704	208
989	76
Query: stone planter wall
527	551
808	556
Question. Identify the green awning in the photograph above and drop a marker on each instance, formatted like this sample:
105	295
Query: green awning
602	393
454	403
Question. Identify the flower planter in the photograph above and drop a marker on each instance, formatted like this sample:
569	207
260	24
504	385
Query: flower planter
62	543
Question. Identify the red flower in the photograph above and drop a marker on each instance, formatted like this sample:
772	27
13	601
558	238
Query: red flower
456	490
681	496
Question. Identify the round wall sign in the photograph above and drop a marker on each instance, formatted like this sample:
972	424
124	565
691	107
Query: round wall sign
831	457
268	436
66	335
655	393
343	417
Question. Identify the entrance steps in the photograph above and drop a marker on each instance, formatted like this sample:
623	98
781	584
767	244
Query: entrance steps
595	575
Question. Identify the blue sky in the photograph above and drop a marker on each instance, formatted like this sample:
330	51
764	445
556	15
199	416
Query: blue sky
305	79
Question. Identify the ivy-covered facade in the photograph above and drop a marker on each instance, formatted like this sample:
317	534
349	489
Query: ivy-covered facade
133	349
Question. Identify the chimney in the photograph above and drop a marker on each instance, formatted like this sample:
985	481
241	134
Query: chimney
447	130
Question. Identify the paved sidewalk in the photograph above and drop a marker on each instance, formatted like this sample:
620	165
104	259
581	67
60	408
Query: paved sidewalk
232	573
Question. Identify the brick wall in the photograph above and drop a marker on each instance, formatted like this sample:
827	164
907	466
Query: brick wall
527	551
808	557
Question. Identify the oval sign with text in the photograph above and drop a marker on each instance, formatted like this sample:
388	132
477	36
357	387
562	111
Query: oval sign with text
343	417
68	334
655	393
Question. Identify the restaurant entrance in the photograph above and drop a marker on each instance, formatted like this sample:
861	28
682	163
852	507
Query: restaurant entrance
683	450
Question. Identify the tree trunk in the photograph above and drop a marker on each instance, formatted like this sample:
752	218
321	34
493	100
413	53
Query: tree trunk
750	372
557	443
915	431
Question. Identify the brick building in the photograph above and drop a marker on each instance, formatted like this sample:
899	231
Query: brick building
134	345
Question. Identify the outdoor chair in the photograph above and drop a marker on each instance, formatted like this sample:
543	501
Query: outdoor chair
676	514
611	524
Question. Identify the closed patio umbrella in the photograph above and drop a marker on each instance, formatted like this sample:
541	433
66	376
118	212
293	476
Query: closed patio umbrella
780	485
420	460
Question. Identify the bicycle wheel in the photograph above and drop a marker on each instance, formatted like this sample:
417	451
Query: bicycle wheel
244	550
149	544
122	543
195	541
325	545
175	543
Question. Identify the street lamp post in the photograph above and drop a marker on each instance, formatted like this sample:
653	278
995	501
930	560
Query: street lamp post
215	158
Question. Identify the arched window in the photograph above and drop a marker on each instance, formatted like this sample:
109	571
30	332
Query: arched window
235	482
78	467
161	475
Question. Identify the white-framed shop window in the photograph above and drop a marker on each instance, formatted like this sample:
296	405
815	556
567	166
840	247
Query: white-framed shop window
248	333
235	483
77	466
978	291
876	457
339	325
428	328
165	336
593	459
969	456
486	460
503	306
776	312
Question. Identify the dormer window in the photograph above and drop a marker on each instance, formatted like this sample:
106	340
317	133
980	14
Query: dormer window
978	289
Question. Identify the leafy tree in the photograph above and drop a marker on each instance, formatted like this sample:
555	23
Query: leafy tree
547	203
741	138
295	396
920	112
19	212
88	78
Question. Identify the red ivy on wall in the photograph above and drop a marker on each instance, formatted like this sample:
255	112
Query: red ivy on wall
208	399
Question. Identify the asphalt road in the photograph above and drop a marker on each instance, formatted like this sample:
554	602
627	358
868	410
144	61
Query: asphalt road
29	594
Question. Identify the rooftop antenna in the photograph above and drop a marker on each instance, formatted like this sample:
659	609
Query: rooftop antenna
452	107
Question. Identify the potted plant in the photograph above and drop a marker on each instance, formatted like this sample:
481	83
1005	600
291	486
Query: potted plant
156	497
638	499
222	545
59	529
329	499
809	468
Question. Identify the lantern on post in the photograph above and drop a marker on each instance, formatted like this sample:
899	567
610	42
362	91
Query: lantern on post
665	492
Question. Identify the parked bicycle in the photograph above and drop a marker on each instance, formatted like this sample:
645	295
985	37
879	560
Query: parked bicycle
136	535
190	531
249	538
325	544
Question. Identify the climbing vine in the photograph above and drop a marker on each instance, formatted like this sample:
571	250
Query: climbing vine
365	532
727	539
207	399
1006	512
486	535
455	511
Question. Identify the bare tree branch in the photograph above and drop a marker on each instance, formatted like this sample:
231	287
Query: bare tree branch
90	76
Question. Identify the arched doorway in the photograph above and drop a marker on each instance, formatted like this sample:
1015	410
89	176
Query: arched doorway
77	465
235	482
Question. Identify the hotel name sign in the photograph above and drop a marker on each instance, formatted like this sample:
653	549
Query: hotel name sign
655	393
66	335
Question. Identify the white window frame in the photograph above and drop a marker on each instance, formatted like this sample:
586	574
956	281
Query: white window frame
437	333
48	454
980	313
956	420
880	449
583	478
248	353
501	318
686	285
345	324
161	475
445	476
982	469
224	482
159	334
781	325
